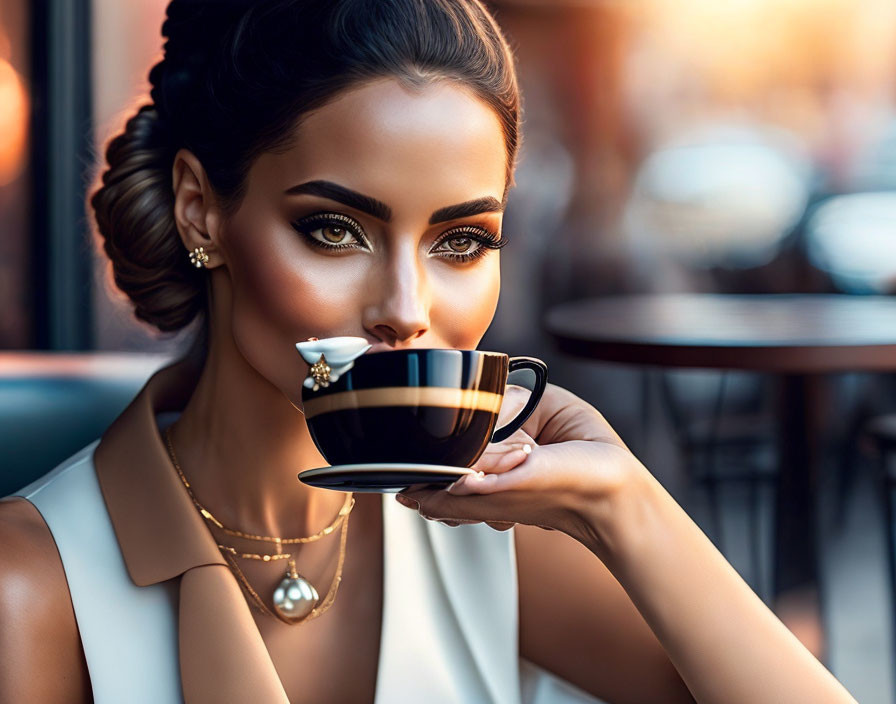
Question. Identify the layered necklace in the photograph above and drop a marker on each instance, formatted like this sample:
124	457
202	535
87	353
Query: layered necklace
295	600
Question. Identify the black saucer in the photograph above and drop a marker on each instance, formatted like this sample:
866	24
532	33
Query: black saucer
381	477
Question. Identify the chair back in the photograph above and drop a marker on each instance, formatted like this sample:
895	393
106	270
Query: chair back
53	404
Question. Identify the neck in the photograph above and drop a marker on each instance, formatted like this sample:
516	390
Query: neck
241	443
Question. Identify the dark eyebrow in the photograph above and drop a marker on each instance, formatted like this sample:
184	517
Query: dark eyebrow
488	204
381	211
346	196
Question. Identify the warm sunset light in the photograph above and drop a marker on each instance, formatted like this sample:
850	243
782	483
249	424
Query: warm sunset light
743	47
13	122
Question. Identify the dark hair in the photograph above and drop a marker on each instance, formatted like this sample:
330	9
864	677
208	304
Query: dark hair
236	78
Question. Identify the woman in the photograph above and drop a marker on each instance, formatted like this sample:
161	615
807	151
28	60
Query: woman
322	168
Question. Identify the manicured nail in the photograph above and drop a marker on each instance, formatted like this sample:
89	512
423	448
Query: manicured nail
526	448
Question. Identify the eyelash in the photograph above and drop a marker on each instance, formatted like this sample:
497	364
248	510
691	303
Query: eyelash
487	239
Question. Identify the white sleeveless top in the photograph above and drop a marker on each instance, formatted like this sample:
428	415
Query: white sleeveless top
430	649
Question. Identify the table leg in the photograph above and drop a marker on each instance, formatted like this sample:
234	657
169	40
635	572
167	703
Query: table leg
796	586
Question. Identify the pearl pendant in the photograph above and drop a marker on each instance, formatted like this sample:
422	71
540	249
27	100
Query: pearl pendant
295	597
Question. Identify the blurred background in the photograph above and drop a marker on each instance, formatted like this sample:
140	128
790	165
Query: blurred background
670	146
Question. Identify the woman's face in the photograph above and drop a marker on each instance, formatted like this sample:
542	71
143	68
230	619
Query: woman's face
380	221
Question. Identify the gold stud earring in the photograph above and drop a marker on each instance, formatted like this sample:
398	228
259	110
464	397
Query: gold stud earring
199	257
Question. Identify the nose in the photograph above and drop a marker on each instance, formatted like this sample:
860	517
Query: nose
397	309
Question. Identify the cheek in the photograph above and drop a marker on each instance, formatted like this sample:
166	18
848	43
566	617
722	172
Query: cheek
280	297
465	303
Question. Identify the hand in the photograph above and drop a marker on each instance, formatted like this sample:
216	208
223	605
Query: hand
574	458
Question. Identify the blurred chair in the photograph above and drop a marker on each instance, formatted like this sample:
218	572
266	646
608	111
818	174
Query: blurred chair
727	442
720	199
852	239
882	430
52	405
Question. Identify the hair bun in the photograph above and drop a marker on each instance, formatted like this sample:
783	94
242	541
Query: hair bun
134	210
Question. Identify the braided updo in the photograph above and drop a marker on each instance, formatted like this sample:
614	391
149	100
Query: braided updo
236	79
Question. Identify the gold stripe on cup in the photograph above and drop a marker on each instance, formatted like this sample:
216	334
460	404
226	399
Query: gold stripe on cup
439	397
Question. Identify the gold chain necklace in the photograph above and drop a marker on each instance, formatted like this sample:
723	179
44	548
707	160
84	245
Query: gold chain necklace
295	599
293	582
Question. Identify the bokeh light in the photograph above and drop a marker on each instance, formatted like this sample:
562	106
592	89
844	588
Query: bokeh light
14	116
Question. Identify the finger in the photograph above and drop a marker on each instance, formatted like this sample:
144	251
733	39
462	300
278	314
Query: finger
545	466
497	464
500	525
515	398
494	455
502	511
483	482
508	458
491	457
514	441
414	505
511	460
518	437
407	501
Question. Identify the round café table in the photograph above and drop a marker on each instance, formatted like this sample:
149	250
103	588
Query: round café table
799	338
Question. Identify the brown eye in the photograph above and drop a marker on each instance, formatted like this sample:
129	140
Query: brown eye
467	244
334	233
460	244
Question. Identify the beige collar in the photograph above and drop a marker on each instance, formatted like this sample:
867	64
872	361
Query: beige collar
162	537
159	530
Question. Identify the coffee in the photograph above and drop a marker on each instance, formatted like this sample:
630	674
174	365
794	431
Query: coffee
425	406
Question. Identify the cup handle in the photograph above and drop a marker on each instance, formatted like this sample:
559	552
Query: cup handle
541	381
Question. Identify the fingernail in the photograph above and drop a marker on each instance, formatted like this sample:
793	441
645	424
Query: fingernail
527	448
405	501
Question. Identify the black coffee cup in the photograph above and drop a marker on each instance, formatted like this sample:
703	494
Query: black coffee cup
419	406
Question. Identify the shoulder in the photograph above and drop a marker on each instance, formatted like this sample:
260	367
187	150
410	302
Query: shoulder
41	659
577	622
28	556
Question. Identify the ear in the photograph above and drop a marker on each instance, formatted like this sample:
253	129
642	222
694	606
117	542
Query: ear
195	207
